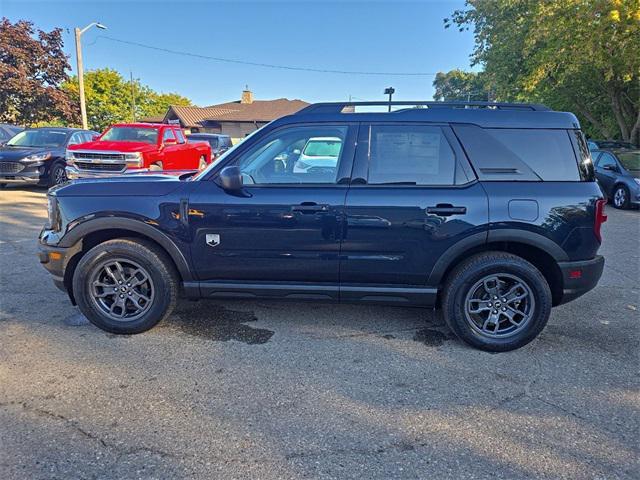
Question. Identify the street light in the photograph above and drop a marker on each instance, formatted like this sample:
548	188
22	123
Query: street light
389	91
79	32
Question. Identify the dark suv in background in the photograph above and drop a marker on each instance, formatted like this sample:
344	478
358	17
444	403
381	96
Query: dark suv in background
219	143
489	211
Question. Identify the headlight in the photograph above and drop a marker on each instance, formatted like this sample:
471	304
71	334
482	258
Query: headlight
133	159
37	157
637	180
69	157
53	213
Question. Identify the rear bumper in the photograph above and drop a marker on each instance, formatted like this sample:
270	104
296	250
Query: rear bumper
580	277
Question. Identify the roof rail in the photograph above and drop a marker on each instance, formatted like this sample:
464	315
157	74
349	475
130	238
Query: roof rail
341	107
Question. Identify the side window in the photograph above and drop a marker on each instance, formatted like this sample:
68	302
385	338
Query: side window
410	154
519	154
607	160
76	138
168	135
180	136
295	155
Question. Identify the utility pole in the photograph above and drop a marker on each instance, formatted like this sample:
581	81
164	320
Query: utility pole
78	34
133	98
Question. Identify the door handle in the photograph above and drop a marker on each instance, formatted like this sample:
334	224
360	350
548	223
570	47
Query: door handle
309	207
446	209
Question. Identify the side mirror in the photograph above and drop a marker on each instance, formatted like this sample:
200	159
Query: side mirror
230	179
170	141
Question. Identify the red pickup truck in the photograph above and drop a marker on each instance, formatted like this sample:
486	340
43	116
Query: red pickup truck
136	147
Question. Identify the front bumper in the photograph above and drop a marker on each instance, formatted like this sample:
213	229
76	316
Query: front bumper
30	174
74	173
56	261
580	277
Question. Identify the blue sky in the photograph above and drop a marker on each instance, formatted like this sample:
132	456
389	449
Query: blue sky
389	36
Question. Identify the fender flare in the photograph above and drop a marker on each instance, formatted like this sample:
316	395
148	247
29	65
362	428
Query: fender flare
76	234
526	237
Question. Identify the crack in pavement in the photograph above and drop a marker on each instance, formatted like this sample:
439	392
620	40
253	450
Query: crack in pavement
118	449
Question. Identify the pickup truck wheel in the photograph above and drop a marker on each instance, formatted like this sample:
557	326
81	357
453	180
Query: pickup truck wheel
496	301
156	166
203	163
125	286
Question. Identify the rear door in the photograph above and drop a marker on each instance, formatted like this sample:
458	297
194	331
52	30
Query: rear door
412	196
283	233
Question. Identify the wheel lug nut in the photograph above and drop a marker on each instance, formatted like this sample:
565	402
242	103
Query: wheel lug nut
504	299
495	298
504	309
115	289
129	293
119	282
121	296
495	312
490	304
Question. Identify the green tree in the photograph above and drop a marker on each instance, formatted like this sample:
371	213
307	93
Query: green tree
458	85
576	55
32	68
110	98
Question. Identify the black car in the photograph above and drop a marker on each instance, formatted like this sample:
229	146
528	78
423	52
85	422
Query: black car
618	173
7	131
219	143
37	155
487	210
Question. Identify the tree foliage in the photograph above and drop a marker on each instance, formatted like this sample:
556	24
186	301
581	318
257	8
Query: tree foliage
32	68
576	55
110	98
458	85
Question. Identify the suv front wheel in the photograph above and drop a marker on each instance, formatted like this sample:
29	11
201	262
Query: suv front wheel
496	301
125	286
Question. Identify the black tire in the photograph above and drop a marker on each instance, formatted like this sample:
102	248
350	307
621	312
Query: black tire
57	175
156	166
162	293
467	279
621	197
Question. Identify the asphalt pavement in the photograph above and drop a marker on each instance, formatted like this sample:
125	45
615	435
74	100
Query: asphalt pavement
239	389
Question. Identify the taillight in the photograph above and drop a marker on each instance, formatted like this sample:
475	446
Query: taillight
600	218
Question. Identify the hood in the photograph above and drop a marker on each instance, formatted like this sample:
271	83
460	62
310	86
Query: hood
121	185
115	146
18	153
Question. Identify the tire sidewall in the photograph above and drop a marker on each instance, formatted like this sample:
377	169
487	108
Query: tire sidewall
82	290
455	307
52	174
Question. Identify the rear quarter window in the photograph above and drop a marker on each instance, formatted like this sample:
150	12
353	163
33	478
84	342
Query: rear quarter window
519	154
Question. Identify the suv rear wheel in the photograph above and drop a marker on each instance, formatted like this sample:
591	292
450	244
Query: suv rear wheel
496	301
125	286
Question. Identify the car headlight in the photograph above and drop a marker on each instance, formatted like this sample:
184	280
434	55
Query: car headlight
37	157
133	159
69	157
637	180
53	212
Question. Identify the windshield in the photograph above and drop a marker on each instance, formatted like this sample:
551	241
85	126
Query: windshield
630	160
131	134
327	147
221	158
39	138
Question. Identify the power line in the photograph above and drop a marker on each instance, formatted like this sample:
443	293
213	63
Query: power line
265	65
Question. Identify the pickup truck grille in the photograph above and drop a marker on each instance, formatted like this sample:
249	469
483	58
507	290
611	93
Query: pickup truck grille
101	167
78	155
11	167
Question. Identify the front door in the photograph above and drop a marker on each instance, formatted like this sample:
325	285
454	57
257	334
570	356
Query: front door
413	195
283	233
607	171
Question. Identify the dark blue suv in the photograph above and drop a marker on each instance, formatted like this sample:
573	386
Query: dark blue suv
487	210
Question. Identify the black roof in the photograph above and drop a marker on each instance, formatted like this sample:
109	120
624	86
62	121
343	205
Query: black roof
483	114
207	135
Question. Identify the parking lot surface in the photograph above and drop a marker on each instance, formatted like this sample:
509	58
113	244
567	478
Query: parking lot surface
289	390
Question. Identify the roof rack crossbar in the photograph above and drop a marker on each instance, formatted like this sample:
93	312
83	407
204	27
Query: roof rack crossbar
338	107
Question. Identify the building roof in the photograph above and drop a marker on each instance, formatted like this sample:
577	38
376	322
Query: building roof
256	111
152	119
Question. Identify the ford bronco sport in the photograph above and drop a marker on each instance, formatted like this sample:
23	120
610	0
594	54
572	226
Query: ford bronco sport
487	210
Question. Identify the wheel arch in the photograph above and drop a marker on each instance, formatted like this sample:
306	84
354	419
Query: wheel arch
543	253
91	233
